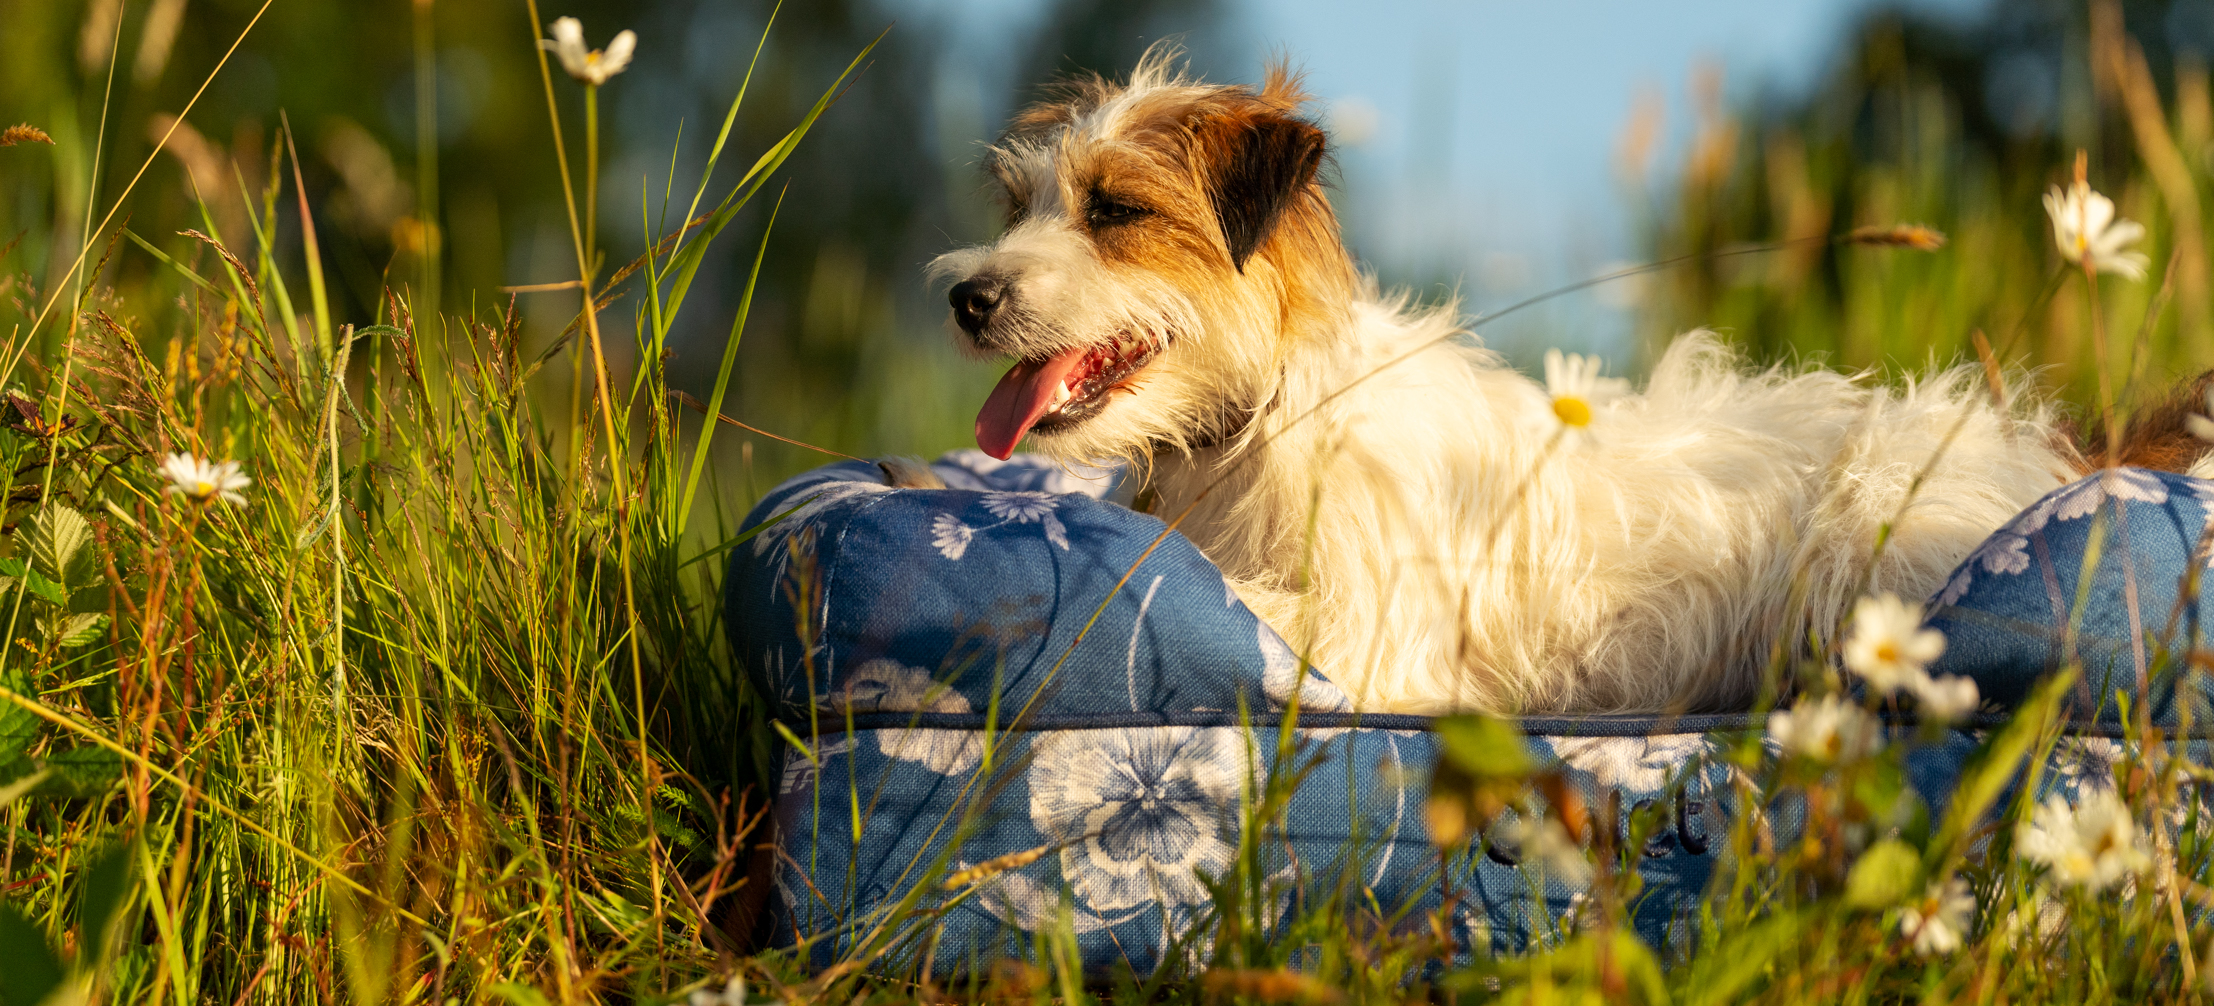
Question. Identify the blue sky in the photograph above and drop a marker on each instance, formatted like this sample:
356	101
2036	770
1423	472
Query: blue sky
1481	135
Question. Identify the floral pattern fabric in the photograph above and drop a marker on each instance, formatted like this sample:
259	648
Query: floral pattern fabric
1032	693
2011	612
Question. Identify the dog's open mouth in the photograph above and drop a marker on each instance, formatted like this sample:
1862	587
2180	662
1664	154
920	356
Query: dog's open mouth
1060	390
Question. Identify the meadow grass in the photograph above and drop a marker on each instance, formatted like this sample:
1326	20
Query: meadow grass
443	711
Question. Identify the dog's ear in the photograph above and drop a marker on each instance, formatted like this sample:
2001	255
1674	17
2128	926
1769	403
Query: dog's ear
1257	166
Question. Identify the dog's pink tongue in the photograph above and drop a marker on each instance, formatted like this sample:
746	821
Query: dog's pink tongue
1021	397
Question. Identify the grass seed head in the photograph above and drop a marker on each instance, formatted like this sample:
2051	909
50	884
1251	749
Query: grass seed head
24	133
1914	236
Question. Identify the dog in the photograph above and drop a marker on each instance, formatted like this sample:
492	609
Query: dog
1389	495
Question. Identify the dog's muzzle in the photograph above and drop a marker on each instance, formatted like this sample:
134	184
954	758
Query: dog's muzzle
975	300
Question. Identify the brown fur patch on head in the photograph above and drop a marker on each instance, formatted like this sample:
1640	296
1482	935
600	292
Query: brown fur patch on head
1176	147
2157	435
1168	213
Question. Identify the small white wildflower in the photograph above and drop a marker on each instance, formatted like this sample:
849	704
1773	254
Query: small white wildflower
1948	698
1829	730
1544	844
733	994
200	480
592	66
1938	921
2090	846
2085	228
1888	647
2199	425
1577	390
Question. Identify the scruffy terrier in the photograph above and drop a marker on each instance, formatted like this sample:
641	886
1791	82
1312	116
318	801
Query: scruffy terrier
1173	287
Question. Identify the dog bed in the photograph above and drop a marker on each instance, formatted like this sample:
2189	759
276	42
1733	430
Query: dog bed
1013	672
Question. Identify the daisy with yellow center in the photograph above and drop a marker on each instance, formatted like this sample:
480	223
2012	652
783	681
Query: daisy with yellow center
1888	647
201	480
2090	845
1937	922
1577	391
590	66
1829	730
2089	234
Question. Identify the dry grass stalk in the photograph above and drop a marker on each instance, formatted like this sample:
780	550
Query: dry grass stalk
24	133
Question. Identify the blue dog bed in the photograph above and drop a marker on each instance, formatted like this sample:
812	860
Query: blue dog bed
1013	665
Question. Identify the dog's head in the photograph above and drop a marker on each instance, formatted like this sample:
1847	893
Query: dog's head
1167	244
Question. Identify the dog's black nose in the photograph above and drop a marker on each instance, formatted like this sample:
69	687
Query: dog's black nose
974	300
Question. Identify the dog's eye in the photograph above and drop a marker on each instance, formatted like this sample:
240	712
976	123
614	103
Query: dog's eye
1106	211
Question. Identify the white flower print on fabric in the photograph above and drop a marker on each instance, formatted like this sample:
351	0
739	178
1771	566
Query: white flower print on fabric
950	536
1025	506
799	773
887	686
1021	507
1638	766
1280	677
1027	905
2085	764
2007	550
1141	810
818	499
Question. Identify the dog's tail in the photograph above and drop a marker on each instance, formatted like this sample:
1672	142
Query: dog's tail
2158	435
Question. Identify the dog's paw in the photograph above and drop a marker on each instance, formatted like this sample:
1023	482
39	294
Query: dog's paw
908	473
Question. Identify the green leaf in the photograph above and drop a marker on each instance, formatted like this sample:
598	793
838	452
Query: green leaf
19	729
83	629
17	789
105	887
1885	875
58	537
1484	747
80	772
519	994
29	968
13	571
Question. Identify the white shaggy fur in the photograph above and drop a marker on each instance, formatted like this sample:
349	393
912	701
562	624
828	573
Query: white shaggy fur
1419	530
1652	572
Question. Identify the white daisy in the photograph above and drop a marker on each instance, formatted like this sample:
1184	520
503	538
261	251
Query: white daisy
1938	921
2091	845
591	66
2085	228
201	480
1021	507
1948	698
1888	647
732	994
1577	390
2199	425
1829	730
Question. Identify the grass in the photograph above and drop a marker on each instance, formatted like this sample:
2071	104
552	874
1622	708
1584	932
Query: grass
445	714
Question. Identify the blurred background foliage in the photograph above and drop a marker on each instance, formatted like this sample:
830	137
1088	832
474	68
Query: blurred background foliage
1959	124
843	348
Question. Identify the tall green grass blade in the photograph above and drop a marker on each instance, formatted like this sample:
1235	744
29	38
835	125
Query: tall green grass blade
723	371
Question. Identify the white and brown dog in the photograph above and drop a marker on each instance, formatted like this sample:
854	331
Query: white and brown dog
1172	284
